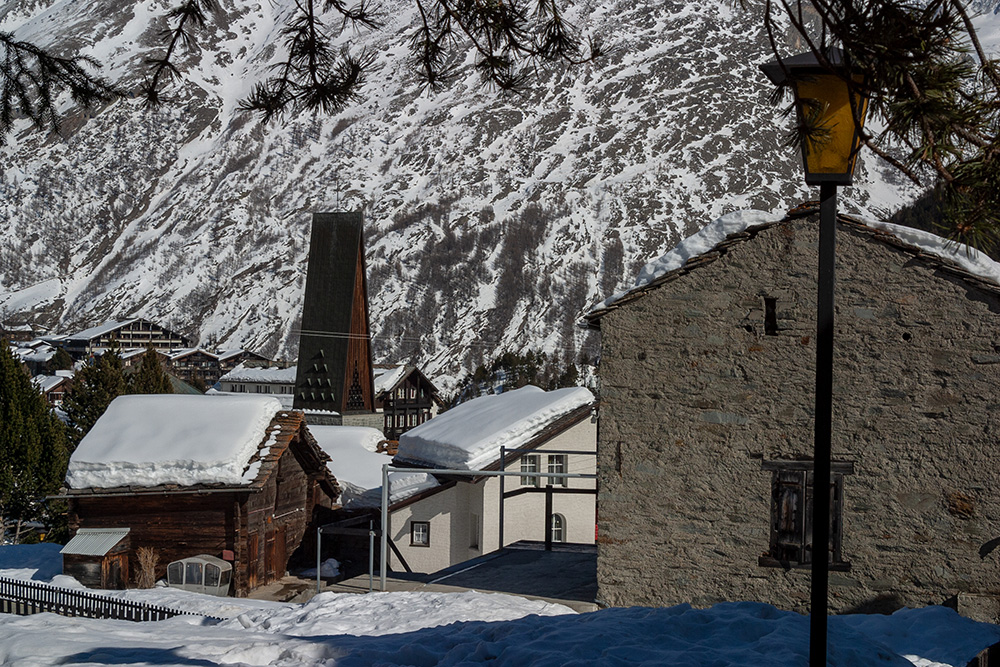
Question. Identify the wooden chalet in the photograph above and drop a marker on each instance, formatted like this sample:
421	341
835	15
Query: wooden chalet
256	524
200	366
54	387
405	397
334	372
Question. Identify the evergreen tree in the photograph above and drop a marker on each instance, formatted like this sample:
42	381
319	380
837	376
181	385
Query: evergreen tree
94	387
512	40
511	370
149	377
932	88
60	361
33	449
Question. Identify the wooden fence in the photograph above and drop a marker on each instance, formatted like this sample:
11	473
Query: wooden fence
18	596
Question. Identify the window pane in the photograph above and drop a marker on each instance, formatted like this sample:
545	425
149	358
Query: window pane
212	574
420	533
175	573
558	528
529	463
192	573
557	464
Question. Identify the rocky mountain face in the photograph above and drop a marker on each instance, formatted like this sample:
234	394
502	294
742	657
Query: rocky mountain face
492	222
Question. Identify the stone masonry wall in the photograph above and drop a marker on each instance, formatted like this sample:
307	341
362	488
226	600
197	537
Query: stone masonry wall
696	396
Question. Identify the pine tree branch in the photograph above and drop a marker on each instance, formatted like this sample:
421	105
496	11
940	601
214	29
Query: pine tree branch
32	81
987	65
191	11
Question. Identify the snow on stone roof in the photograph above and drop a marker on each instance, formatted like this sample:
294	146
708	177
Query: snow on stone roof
147	440
975	262
101	329
387	377
268	375
354	460
469	435
226	354
704	240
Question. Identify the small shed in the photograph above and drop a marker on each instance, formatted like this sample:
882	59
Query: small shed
98	557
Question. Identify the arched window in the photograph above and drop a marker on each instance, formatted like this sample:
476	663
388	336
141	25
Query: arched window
558	528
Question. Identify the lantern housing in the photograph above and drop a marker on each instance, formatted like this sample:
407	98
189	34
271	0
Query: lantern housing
825	111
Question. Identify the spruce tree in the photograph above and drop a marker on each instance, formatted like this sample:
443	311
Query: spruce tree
33	448
94	387
149	377
60	361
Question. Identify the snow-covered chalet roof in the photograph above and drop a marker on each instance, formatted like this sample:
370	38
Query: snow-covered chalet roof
354	459
386	377
39	353
151	440
180	352
728	228
469	436
46	383
228	354
268	375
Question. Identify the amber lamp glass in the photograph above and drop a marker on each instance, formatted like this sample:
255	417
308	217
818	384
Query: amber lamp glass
830	138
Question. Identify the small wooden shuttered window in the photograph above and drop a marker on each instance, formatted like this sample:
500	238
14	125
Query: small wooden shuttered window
791	541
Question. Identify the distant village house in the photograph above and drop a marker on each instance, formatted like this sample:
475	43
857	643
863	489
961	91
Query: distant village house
405	397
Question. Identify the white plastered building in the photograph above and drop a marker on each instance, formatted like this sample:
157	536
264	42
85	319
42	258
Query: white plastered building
459	518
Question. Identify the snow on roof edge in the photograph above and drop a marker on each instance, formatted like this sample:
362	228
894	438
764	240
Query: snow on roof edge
697	244
715	232
469	435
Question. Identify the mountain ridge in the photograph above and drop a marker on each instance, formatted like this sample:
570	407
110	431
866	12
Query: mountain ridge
491	222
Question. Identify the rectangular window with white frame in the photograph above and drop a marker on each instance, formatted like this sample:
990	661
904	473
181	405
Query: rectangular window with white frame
420	533
557	464
529	463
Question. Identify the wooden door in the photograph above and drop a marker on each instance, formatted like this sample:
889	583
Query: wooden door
253	560
114	572
269	555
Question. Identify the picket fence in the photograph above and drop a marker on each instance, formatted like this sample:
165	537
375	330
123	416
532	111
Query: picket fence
18	596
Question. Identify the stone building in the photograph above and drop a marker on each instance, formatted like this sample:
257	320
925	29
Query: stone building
706	422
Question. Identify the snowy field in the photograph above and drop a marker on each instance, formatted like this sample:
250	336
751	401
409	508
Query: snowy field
464	629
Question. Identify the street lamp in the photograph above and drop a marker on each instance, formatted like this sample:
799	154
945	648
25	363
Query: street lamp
830	116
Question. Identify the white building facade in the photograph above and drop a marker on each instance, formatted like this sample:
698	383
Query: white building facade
461	519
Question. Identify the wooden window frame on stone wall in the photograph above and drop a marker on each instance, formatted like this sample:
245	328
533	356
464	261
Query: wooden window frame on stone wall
790	534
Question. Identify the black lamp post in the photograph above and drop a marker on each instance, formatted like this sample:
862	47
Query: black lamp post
826	109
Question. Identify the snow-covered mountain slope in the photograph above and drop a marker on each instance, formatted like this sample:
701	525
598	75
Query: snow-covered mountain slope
491	223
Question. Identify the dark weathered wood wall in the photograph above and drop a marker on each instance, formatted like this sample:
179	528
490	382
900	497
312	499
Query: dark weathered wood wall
177	526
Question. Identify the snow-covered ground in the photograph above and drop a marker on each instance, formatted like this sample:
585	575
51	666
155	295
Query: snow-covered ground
417	628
